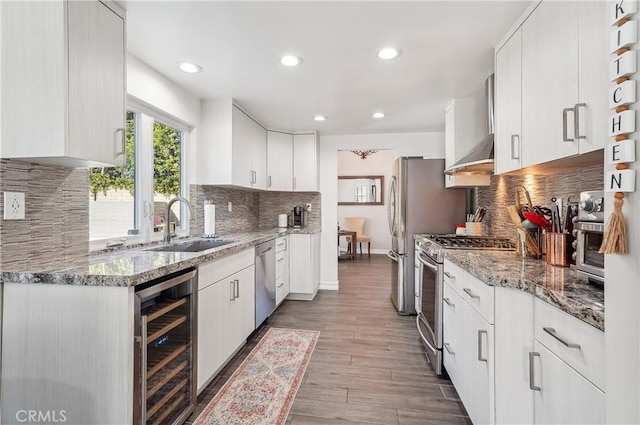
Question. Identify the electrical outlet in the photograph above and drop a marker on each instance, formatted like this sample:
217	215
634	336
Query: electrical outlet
229	206
308	208
14	206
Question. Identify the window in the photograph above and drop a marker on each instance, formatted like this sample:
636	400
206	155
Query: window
131	201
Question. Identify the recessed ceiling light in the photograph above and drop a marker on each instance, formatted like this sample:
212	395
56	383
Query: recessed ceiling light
190	68
388	53
290	60
378	115
319	118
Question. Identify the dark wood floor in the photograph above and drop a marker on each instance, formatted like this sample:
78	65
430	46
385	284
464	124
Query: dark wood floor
368	366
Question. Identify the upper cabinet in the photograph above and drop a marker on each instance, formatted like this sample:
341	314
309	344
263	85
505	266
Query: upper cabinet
232	148
305	162
509	105
63	82
279	161
561	106
464	127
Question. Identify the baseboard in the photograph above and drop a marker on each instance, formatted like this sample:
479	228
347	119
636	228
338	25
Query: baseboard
330	286
379	251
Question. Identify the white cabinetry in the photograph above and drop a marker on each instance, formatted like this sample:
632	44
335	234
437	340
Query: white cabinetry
63	82
304	257
226	292
305	163
468	329
233	150
465	126
282	269
508	105
279	161
564	79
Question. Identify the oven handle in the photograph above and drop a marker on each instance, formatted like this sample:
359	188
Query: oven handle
424	338
425	261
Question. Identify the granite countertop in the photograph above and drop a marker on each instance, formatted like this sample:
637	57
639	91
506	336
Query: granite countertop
135	265
559	286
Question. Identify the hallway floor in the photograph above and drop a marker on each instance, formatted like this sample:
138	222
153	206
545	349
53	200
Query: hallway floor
368	366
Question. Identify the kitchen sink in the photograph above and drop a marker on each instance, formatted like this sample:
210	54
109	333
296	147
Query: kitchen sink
196	246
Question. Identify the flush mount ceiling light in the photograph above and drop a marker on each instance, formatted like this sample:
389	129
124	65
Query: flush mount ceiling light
388	53
189	68
365	153
320	118
378	115
290	60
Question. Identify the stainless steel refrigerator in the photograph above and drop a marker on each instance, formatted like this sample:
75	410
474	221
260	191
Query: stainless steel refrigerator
418	203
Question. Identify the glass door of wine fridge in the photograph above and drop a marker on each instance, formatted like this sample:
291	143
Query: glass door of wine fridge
165	385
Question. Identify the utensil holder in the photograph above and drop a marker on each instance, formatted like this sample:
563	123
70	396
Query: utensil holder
473	228
557	249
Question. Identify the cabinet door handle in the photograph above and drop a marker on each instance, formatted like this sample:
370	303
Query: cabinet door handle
576	120
565	137
123	141
233	290
448	301
143	364
533	387
471	294
448	348
515	138
480	358
566	343
237	282
285	244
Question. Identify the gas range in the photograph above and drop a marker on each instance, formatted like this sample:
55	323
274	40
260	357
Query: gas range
433	245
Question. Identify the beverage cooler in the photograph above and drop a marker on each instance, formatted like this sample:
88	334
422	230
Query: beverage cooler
165	349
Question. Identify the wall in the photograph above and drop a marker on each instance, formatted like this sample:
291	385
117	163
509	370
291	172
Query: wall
430	145
501	193
251	210
56	225
376	225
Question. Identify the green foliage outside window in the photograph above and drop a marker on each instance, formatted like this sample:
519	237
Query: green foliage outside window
166	158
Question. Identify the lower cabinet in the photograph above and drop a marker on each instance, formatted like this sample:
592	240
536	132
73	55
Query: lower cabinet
304	257
282	269
562	395
225	311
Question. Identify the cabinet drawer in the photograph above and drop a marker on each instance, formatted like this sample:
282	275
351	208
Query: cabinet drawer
454	275
479	295
280	263
281	244
213	271
577	343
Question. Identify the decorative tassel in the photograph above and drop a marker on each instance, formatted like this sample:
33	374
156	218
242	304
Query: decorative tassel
615	234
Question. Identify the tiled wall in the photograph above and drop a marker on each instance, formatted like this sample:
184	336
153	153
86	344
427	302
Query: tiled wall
56	225
250	210
542	188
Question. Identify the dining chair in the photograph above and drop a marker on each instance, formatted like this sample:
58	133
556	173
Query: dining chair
356	224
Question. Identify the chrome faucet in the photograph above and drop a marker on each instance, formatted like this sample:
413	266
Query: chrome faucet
167	232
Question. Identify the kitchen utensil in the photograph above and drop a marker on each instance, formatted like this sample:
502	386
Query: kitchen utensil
538	220
512	210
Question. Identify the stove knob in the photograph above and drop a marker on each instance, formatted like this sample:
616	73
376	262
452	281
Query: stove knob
588	205
574	233
574	244
574	256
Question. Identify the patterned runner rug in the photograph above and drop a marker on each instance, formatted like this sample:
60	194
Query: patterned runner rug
262	389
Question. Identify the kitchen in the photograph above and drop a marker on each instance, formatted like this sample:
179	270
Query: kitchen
66	213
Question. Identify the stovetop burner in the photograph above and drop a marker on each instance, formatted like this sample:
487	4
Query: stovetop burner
473	242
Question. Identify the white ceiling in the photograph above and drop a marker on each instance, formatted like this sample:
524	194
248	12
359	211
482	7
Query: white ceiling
447	52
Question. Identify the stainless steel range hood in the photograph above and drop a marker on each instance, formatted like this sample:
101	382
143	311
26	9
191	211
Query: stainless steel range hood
479	160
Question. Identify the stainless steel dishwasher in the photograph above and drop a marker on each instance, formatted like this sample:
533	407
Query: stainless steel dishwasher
265	280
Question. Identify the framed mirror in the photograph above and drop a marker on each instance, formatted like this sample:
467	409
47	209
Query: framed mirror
360	190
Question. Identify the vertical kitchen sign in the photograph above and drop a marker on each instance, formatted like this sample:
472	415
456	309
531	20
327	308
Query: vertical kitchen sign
622	150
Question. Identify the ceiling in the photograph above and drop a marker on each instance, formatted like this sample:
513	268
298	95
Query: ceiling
446	53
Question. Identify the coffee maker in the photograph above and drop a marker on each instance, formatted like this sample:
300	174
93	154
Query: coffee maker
299	216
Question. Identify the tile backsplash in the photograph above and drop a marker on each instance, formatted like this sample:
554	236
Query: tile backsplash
56	224
250	210
542	188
